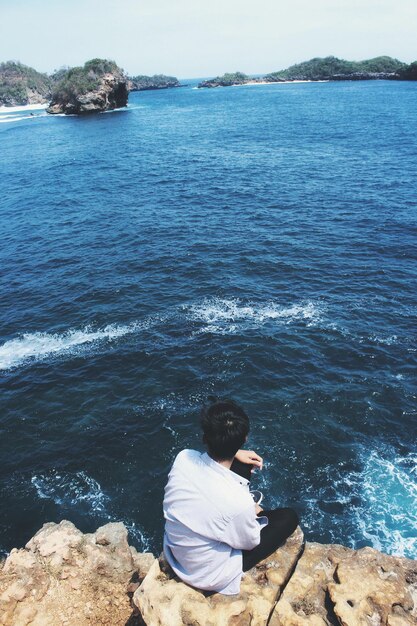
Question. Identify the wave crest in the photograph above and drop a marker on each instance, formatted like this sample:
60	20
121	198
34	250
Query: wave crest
223	316
37	346
67	489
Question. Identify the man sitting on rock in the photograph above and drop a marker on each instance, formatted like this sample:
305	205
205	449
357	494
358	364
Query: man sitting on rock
214	529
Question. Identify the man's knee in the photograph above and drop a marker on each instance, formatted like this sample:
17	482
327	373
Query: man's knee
292	519
284	517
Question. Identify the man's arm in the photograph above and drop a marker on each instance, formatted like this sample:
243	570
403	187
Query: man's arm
250	457
243	532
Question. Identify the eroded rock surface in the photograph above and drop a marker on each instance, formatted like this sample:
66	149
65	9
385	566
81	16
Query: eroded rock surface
164	600
63	577
371	588
305	599
100	85
336	586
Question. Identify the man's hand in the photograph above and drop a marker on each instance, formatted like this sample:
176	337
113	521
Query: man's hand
250	457
258	509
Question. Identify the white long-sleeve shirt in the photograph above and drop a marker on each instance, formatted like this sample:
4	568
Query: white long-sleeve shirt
210	518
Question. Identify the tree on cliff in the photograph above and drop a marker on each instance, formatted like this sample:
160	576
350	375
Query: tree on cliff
409	72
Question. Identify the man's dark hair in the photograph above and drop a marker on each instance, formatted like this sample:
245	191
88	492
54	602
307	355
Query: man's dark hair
225	428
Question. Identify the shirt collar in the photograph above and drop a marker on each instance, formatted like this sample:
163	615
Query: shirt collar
227	473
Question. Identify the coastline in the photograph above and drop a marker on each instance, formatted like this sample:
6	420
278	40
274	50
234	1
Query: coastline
279	82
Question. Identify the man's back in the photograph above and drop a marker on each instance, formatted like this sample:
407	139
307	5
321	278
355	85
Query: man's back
210	517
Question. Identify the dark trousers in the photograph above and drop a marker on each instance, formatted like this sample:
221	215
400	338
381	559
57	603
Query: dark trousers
281	524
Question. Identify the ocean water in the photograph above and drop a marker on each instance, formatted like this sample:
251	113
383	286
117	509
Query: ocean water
258	242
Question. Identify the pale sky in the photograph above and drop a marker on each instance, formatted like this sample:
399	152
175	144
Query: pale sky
198	38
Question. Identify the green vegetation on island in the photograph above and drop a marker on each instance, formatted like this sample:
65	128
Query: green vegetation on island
78	81
409	72
327	68
21	85
68	88
157	81
227	80
332	68
100	85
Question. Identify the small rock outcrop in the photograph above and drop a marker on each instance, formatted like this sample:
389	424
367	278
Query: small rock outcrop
163	599
305	599
98	86
227	80
66	578
157	81
373	588
63	577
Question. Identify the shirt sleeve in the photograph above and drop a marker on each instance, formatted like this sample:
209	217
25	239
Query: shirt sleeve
243	532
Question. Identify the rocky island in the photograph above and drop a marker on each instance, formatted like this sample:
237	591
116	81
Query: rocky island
325	69
157	81
66	578
227	80
332	68
100	85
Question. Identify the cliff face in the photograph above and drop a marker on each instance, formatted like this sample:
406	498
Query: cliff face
63	577
98	86
21	85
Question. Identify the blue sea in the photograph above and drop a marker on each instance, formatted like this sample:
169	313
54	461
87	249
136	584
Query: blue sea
256	242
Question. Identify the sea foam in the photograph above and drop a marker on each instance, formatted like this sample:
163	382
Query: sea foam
37	346
82	493
69	489
15	117
220	315
378	501
215	315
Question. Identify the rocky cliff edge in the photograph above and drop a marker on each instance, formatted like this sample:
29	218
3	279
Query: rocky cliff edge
64	577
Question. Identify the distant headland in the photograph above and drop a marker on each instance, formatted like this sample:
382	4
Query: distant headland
324	69
100	85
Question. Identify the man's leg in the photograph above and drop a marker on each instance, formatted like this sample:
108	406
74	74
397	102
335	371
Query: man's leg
281	524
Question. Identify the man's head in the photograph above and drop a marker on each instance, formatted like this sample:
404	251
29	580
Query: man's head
225	428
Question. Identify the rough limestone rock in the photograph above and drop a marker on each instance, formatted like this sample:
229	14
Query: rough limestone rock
163	600
63	577
333	585
100	85
305	599
373	589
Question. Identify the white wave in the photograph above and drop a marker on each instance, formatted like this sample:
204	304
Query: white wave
387	341
138	535
389	492
8	119
37	346
223	315
23	107
116	110
68	489
378	502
